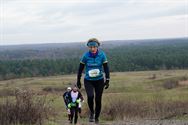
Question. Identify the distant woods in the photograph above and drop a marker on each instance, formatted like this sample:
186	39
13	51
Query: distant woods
149	57
170	54
29	68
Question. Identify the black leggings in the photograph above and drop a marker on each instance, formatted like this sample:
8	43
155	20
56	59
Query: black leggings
74	114
98	86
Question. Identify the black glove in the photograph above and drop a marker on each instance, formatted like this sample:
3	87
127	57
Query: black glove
106	84
78	84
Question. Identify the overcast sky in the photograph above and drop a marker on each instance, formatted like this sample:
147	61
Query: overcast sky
49	21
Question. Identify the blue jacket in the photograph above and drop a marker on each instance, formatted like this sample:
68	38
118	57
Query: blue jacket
93	65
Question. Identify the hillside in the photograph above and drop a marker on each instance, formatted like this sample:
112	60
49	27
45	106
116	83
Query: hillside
72	50
58	59
158	96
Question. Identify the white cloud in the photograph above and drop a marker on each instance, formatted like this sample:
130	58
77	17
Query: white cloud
27	21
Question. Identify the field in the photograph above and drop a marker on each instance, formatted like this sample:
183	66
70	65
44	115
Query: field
145	95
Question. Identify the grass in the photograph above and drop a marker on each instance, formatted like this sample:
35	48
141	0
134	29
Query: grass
25	108
129	86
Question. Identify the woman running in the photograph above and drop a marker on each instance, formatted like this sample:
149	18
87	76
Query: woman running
94	62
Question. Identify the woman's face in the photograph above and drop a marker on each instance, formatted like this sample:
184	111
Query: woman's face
93	49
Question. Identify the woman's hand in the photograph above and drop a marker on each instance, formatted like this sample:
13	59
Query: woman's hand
106	84
78	84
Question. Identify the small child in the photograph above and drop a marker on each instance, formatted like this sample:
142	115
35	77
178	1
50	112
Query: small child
66	100
74	97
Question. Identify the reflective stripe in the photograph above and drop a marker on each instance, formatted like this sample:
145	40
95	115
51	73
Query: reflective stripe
82	62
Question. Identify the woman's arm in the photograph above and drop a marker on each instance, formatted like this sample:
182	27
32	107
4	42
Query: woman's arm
107	74
79	75
106	70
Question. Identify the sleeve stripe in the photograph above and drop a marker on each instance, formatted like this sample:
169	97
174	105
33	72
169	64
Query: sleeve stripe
82	62
105	61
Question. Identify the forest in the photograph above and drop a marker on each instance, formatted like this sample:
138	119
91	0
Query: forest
122	56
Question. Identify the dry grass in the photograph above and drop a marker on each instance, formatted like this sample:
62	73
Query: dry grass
54	89
26	109
130	95
173	83
170	84
7	92
156	108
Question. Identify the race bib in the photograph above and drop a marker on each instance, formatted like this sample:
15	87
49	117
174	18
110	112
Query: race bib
94	72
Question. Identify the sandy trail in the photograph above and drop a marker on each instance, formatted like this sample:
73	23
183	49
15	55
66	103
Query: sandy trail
136	122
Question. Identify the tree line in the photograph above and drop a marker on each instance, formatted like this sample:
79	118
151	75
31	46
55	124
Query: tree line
132	57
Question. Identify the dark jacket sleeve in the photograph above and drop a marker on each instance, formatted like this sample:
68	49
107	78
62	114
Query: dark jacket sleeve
65	98
106	70
64	95
69	97
80	70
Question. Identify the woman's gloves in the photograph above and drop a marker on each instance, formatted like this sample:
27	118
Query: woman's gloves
73	104
106	84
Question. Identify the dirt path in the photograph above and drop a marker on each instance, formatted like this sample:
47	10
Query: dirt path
137	122
184	83
152	122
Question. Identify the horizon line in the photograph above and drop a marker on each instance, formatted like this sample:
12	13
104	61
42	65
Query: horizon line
139	39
